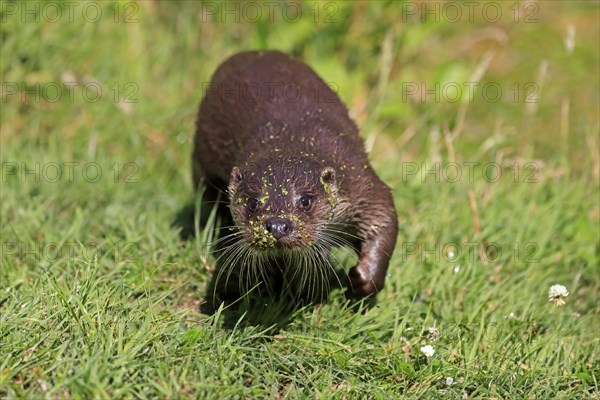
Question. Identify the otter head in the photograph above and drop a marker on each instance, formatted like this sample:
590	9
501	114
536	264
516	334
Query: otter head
282	202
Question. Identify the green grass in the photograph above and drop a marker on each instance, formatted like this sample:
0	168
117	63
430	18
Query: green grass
99	296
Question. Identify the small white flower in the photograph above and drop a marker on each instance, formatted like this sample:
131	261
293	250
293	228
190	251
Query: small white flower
557	293
449	380
456	269
428	350
450	254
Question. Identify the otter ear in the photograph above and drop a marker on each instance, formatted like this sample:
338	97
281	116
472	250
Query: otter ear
234	179
328	175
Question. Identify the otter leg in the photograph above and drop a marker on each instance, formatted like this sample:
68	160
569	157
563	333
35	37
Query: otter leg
368	276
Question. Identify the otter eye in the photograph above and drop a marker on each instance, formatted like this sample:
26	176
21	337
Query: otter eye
253	204
305	201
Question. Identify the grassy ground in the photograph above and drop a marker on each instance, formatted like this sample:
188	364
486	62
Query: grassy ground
99	295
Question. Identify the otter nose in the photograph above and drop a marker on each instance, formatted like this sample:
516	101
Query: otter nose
279	227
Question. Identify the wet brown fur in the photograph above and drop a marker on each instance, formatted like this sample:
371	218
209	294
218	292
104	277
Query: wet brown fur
256	137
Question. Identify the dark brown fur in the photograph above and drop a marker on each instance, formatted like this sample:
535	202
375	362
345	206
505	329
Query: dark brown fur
270	129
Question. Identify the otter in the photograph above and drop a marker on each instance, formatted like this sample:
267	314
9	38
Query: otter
276	149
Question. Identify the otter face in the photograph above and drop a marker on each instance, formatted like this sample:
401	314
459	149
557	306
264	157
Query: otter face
282	204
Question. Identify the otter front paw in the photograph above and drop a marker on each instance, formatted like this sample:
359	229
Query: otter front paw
361	283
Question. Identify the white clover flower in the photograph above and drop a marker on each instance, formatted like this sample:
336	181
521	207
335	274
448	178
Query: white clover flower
556	294
449	380
428	350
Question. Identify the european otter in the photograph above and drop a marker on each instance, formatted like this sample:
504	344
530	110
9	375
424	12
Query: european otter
275	141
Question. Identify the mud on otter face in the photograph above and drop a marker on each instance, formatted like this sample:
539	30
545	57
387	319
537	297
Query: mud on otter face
283	202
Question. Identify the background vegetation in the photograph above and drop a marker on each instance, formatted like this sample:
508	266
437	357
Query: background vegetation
99	295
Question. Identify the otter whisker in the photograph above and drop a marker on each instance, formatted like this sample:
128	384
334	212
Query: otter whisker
233	253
